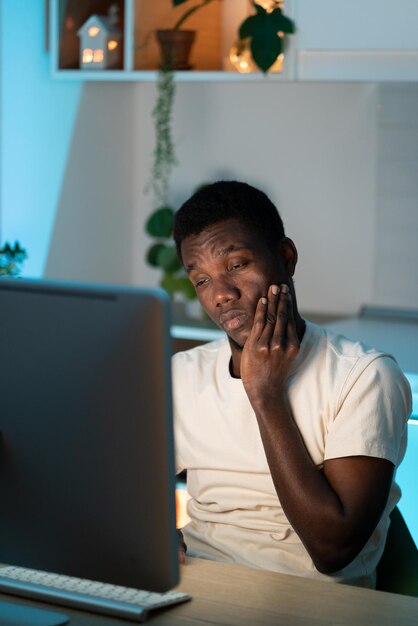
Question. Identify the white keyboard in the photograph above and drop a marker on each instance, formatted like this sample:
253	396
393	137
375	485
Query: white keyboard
84	594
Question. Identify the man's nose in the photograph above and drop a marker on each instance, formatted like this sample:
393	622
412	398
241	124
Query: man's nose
225	291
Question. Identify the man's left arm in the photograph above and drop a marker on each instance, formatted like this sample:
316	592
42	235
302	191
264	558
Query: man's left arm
334	511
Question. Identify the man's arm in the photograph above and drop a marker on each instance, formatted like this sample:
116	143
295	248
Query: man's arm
334	511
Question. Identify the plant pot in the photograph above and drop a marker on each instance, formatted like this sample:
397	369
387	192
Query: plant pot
175	48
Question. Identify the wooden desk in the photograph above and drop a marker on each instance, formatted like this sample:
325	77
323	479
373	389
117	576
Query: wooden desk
233	595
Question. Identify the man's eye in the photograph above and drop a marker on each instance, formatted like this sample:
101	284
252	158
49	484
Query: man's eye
200	282
237	266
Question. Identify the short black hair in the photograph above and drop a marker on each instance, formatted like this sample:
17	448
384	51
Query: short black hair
228	199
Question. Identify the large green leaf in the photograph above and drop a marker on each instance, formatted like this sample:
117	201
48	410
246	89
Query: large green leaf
160	223
265	50
168	259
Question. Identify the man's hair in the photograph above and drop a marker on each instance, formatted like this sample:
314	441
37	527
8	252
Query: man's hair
226	200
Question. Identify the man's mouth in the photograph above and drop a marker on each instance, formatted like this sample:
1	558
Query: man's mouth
232	320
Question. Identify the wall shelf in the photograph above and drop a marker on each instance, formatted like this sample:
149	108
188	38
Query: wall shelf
151	76
216	26
330	43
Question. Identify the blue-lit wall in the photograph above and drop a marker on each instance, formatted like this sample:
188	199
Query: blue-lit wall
37	122
407	475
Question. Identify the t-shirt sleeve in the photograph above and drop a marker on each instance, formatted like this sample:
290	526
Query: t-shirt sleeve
372	412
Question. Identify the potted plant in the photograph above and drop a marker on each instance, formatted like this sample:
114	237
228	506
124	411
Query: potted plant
11	259
176	42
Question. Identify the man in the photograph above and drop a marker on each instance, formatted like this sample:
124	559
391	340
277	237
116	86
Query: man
290	435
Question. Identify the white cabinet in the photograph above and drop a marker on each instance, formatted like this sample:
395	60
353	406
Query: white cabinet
365	40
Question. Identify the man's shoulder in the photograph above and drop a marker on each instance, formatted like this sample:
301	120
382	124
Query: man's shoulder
340	358
345	347
352	357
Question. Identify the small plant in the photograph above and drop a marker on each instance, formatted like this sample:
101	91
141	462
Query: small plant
11	259
162	254
164	154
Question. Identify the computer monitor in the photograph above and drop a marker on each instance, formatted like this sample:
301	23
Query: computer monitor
87	478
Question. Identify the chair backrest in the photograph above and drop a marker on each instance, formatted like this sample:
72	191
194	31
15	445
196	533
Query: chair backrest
397	571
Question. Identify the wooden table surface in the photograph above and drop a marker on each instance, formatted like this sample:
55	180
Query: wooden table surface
232	595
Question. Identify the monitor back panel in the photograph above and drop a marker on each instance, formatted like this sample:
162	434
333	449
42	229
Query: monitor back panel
86	449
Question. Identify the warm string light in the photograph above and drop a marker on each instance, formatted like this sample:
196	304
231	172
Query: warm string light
87	55
92	56
93	31
270	5
98	56
241	58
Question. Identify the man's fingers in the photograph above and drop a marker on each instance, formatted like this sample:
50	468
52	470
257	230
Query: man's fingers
259	319
292	335
274	322
271	315
282	321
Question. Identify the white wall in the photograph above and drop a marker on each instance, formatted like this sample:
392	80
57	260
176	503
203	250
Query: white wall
310	146
395	281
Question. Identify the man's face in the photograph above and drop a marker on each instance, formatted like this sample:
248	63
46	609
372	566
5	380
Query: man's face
231	268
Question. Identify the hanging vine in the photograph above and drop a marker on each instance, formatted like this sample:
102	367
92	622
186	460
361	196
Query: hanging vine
164	152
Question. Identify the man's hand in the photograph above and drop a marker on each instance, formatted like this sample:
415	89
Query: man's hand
270	348
182	547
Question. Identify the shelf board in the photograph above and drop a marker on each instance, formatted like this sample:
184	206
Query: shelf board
150	76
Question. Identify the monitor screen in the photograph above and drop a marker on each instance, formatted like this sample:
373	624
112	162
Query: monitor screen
87	473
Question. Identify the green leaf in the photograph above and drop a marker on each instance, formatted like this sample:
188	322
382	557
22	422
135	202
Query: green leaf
168	259
247	27
175	284
186	288
160	223
152	254
281	22
265	52
168	283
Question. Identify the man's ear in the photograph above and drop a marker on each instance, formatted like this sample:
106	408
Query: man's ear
288	254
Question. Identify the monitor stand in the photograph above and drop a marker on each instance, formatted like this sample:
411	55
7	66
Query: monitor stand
20	615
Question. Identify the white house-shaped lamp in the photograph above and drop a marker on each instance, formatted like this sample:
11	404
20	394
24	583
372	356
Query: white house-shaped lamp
100	43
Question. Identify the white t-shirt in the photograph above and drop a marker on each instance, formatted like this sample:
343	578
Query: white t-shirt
346	400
